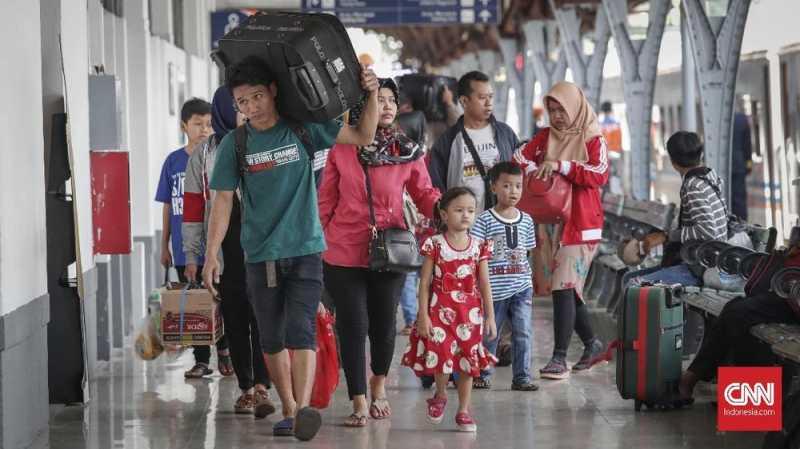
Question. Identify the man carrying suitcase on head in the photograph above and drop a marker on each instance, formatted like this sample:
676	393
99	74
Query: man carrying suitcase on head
269	159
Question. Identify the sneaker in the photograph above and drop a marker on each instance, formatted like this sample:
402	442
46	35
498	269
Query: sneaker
524	386
436	409
262	404
465	423
555	369
592	355
244	405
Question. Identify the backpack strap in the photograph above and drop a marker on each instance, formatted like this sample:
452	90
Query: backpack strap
240	142
305	138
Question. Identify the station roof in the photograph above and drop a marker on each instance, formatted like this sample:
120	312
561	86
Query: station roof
435	46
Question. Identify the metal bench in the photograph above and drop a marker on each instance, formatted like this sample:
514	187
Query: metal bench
784	339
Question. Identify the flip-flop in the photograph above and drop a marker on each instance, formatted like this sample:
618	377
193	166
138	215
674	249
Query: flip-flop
284	428
225	365
380	408
307	423
355	420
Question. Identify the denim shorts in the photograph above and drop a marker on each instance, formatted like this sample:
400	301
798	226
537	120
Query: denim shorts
286	310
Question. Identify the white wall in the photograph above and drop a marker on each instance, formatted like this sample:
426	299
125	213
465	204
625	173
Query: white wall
23	246
74	37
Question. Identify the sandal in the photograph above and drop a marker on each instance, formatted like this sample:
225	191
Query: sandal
307	423
225	365
244	405
480	383
284	428
355	420
262	404
380	409
198	370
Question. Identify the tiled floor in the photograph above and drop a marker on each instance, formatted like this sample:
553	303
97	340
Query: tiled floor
141	405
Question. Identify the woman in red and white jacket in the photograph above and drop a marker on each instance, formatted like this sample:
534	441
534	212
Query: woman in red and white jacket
366	301
572	147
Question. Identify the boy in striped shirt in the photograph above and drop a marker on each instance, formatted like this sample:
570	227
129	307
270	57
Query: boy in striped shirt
703	213
513	235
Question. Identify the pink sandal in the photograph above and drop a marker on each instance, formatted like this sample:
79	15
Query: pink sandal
436	409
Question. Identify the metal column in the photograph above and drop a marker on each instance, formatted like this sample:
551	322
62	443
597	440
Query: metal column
489	62
541	39
716	42
587	70
639	69
689	79
510	49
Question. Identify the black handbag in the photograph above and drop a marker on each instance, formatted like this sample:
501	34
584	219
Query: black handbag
394	249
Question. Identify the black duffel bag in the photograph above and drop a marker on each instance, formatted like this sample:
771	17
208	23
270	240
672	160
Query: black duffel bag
311	56
425	92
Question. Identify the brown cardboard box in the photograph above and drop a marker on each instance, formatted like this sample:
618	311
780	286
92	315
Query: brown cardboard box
202	319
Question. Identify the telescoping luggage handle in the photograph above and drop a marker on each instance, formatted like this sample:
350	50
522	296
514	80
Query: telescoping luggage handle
309	85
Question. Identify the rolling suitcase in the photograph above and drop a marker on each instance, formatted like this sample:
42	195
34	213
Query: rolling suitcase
318	73
650	336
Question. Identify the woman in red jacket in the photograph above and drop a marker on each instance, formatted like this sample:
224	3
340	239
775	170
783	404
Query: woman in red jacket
572	147
366	301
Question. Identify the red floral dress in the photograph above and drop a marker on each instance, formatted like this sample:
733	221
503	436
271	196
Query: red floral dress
455	310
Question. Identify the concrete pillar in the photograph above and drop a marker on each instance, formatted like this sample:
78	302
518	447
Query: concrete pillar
540	37
716	43
509	48
587	69
688	116
639	69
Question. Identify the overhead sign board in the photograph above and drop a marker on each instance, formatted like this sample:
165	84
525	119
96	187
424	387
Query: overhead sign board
408	12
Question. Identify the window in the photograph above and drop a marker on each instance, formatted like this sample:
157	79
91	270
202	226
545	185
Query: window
113	6
177	23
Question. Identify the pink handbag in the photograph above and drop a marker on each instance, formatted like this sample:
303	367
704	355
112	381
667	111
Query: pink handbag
547	201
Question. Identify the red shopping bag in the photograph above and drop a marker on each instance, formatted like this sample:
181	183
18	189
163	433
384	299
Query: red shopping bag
326	378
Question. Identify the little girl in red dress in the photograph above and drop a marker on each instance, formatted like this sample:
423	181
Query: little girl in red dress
455	308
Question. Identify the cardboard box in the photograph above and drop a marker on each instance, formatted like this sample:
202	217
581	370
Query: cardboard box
202	318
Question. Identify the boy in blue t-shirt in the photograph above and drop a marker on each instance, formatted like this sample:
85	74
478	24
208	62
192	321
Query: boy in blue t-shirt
513	235
196	123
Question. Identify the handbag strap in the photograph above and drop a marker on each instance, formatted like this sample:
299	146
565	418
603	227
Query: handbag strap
487	195
373	225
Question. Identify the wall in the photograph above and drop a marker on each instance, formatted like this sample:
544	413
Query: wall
23	253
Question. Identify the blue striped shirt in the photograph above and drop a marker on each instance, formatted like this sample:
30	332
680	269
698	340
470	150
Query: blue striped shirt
509	270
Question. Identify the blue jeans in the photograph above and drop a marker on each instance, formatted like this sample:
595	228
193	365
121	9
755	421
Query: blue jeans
408	298
519	309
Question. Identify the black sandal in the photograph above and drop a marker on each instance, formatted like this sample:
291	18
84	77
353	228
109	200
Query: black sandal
479	383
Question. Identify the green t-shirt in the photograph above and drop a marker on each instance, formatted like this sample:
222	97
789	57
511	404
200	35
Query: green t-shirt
279	197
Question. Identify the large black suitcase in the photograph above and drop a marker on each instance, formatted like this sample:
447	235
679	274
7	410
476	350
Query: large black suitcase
425	92
318	73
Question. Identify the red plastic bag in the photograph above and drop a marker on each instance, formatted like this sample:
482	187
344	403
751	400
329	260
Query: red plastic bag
326	378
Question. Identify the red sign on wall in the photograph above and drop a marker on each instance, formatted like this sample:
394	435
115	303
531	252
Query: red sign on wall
111	202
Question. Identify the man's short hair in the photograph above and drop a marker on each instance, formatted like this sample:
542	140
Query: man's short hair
504	167
465	83
251	71
685	149
194	106
606	107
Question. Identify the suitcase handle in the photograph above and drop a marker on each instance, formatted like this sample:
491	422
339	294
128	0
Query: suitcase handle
306	79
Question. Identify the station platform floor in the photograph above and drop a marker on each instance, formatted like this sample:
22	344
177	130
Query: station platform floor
149	405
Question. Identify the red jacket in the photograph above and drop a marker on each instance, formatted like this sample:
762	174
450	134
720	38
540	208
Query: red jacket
586	223
343	208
